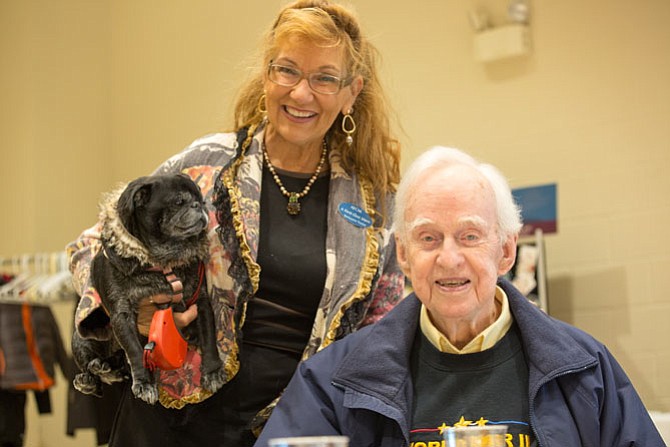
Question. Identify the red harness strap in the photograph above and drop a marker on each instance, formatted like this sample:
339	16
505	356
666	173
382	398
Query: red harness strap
201	277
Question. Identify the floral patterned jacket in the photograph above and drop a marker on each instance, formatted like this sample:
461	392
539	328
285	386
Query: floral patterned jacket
363	280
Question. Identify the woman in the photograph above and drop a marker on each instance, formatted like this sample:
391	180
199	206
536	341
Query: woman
300	197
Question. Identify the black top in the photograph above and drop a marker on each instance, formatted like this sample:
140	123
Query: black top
292	256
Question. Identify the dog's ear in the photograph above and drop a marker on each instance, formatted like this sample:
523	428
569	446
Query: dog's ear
127	266
136	195
192	185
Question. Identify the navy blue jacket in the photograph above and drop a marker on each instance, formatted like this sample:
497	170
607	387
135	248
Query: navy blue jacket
361	387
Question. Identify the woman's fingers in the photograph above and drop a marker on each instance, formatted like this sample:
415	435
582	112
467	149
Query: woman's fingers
183	319
149	305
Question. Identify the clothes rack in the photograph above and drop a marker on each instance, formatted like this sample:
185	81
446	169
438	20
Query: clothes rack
36	279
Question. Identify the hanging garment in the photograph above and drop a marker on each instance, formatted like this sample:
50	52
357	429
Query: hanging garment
30	346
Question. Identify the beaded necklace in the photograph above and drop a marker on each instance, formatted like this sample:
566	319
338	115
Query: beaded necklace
293	206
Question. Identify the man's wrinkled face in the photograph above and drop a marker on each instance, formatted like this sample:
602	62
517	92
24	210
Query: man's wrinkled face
451	250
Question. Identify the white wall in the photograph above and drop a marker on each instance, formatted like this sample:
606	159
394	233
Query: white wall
99	92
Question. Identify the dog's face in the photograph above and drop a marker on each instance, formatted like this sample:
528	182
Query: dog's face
162	208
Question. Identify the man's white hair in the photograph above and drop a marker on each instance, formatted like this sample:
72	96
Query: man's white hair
439	157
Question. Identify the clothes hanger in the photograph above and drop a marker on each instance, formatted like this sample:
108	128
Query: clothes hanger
11	290
58	284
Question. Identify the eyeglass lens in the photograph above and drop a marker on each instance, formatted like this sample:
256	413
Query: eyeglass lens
319	82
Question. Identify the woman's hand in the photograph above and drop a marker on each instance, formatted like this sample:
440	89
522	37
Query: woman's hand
149	305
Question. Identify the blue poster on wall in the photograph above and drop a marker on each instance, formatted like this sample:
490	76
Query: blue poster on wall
538	208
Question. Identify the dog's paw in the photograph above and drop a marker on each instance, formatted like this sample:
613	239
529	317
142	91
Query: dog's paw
148	392
106	372
214	380
88	383
98	367
114	376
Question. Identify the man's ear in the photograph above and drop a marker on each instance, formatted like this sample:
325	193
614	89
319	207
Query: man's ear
401	256
508	255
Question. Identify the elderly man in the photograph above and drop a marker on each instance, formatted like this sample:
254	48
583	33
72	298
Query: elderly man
466	348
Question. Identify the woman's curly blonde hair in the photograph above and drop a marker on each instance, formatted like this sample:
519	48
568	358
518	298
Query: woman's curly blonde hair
374	154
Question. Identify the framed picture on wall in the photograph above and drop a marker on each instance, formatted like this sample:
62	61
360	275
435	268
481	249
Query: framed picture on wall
539	213
529	271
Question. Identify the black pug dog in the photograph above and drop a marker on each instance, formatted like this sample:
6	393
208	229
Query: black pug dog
156	221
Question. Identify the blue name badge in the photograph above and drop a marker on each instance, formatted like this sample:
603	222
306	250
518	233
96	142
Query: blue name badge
355	214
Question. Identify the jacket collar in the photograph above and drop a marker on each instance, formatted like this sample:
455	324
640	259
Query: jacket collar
380	365
550	348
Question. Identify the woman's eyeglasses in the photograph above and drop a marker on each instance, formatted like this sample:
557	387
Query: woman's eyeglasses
324	83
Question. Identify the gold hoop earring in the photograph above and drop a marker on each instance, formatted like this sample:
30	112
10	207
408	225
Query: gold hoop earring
349	127
262	108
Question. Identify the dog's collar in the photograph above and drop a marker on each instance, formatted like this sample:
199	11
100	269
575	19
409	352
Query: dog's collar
172	279
177	286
